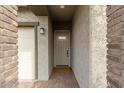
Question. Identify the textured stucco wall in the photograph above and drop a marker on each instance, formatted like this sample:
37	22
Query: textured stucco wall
43	50
44	41
89	46
26	15
80	46
98	30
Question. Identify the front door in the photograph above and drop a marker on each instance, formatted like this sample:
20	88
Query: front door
26	42
62	48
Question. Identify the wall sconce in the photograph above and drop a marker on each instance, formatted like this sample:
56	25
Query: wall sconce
41	30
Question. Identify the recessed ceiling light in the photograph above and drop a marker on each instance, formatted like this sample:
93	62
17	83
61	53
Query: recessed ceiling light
62	6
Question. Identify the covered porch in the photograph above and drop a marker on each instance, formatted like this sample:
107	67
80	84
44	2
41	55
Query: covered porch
62	36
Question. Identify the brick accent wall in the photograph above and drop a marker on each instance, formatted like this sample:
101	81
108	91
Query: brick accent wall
115	39
8	46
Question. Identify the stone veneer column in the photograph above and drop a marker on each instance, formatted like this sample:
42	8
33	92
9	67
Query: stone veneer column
115	39
8	46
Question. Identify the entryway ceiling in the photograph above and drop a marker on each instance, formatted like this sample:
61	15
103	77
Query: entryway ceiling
39	10
61	14
57	14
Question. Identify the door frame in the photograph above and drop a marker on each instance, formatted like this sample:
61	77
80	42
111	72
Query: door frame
35	25
69	31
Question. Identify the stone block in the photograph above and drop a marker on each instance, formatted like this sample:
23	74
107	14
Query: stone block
9	14
8	20
115	39
10	66
10	53
114	52
114	46
114	79
1	54
7	60
1	68
7	73
10	27
113	58
114	69
6	47
11	9
6	32
1	9
113	9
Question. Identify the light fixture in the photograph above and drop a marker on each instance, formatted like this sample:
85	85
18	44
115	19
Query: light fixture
41	30
62	6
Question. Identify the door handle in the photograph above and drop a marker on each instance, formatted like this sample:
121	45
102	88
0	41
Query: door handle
67	52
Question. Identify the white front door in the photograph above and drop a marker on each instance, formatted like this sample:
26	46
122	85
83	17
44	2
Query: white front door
26	49
61	47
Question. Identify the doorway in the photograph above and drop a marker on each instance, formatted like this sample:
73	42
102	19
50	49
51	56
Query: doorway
26	44
61	48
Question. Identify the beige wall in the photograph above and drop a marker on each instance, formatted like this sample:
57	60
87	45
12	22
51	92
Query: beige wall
89	46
